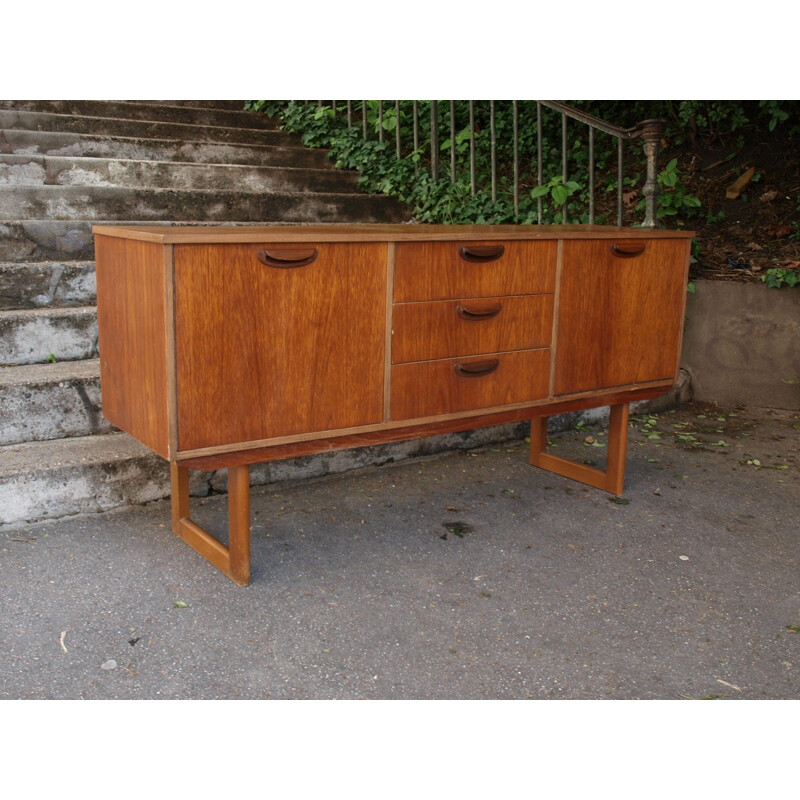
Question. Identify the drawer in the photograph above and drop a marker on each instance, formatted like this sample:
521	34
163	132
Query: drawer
451	270
450	328
449	386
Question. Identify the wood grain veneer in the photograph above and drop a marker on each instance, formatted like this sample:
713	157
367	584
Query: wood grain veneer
437	271
620	318
442	329
132	339
265	352
226	346
426	388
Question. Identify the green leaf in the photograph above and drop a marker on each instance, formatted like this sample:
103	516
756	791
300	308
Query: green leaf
539	191
180	604
560	195
692	287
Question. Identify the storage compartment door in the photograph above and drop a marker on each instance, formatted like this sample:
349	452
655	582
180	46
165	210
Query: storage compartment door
278	340
621	308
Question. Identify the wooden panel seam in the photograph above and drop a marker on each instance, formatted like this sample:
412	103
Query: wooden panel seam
556	307
172	381
387	361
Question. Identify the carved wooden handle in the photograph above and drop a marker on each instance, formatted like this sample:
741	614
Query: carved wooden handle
287	259
627	249
477	369
481	254
472	314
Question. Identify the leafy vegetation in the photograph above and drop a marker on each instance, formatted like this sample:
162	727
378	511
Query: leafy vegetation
443	199
447	200
707	144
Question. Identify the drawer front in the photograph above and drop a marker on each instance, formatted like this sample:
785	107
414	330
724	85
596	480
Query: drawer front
449	386
450	328
278	340
452	270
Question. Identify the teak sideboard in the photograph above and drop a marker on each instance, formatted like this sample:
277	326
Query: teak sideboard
228	346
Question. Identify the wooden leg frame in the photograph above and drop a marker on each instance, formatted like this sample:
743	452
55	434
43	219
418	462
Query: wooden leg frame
612	479
233	560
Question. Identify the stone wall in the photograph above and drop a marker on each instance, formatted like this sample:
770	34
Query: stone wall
742	344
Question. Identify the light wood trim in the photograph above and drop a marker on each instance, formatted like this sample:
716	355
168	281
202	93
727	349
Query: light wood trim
413	431
239	524
391	255
617	448
612	479
581	400
556	306
169	322
179	478
204	543
234	560
206	234
683	308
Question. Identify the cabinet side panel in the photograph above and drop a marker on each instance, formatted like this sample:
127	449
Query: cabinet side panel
131	321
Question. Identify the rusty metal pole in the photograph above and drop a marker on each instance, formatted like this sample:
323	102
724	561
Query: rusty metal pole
651	131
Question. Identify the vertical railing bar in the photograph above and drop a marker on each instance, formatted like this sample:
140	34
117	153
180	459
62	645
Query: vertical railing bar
380	121
619	182
564	169
397	127
435	139
591	175
349	114
493	139
516	158
364	117
453	141
472	146
539	160
333	106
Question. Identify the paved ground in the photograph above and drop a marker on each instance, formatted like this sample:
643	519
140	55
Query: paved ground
467	575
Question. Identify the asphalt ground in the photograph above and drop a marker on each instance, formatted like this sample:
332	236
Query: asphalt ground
469	575
461	577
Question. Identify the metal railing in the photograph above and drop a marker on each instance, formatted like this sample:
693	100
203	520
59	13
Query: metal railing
530	170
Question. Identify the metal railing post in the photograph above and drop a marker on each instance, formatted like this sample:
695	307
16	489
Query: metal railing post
651	132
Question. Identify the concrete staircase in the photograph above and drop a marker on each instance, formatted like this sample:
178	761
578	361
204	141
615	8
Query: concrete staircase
66	165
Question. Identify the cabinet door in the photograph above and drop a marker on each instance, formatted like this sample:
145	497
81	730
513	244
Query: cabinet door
270	346
621	307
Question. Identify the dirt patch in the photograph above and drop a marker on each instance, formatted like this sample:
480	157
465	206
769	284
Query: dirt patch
757	439
739	238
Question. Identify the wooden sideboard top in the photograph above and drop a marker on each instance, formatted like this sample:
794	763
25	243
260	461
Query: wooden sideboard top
206	234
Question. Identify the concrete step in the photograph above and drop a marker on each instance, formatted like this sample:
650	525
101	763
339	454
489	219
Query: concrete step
103	145
86	474
228	105
24	170
153	112
50	401
111	126
47	284
83	475
34	336
113	203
